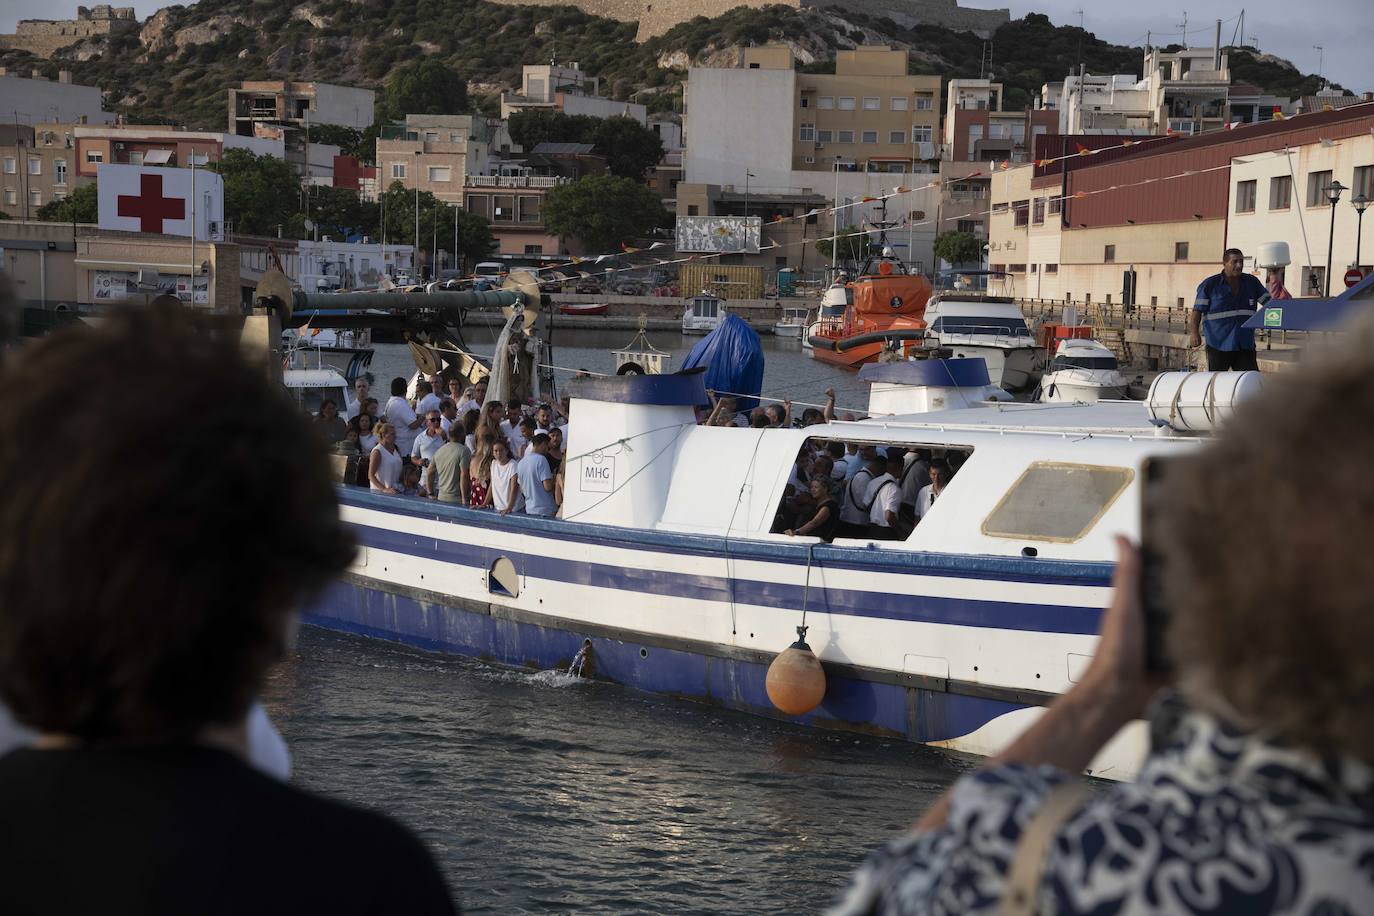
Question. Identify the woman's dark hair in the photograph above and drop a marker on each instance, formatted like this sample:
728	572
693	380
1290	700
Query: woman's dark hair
328	402
471	419
137	600
398	387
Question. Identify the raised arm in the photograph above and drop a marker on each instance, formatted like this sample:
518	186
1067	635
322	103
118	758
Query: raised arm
829	412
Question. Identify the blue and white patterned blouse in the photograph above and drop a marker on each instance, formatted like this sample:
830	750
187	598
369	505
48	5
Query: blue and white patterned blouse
1218	822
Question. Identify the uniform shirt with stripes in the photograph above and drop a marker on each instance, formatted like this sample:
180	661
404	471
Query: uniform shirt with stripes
1224	311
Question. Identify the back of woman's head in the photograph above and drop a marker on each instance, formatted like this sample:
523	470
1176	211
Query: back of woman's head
1264	533
145	585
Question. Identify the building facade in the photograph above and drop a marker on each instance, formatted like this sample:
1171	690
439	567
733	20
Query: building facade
565	88
34	100
270	108
135	144
435	153
37	166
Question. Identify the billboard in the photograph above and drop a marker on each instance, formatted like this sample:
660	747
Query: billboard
123	286
719	234
152	199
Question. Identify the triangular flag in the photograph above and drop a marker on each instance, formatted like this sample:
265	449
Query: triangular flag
1080	193
1128	143
867	200
627	249
1082	150
1042	163
658	245
1006	164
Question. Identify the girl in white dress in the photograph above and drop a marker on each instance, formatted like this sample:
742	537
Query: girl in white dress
384	464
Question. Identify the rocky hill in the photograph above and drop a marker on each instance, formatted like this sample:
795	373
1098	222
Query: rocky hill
175	68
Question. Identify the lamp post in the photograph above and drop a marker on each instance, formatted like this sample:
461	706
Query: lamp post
1359	202
747	175
415	256
1333	194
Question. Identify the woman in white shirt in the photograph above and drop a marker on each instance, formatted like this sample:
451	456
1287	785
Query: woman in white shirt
502	476
367	435
384	464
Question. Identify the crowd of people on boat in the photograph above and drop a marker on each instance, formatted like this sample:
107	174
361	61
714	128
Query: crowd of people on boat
447	442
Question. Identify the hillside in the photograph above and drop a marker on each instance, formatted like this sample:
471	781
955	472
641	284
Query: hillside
177	67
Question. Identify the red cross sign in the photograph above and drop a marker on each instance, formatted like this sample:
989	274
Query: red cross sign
150	207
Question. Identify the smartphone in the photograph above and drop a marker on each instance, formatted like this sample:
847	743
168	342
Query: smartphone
1153	575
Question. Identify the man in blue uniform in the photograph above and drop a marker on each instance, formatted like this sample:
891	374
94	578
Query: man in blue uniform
1225	301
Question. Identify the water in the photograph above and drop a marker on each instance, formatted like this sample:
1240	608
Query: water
789	371
542	792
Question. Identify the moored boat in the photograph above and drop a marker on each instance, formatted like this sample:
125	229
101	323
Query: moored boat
1082	370
885	309
703	315
583	308
991	328
793	322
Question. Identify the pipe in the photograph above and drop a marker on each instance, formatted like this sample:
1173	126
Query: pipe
416	302
858	340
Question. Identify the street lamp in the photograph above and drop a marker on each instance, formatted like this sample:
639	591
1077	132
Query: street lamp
415	256
1359	202
1333	194
747	175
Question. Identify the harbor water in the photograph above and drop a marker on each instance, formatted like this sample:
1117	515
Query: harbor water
541	793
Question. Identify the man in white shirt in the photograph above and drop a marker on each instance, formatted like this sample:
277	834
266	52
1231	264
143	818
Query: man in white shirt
361	392
430	440
939	476
510	427
400	415
884	498
536	479
915	476
543	418
854	462
854	507
448	414
428	400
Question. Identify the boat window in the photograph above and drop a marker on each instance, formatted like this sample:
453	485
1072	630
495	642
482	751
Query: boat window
1082	362
981	324
1056	501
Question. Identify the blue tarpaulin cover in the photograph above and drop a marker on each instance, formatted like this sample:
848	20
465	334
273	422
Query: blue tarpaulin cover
733	357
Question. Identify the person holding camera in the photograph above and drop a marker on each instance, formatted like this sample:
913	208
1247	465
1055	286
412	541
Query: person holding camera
1258	793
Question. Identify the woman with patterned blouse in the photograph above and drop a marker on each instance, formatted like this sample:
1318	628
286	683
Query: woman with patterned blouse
1258	795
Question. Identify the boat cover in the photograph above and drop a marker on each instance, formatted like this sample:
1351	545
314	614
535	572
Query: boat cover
733	357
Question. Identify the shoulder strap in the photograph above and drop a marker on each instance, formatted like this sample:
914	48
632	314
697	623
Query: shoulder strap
1021	895
858	501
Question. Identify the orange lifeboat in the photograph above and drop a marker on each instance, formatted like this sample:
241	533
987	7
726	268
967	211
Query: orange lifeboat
887	309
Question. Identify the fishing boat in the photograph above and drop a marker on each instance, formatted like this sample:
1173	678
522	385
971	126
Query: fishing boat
991	328
583	308
885	311
793	322
703	315
1082	370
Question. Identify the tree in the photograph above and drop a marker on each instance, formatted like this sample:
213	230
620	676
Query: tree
630	148
475	240
80	206
604	211
959	248
851	241
341	214
425	86
360	144
536	126
260	193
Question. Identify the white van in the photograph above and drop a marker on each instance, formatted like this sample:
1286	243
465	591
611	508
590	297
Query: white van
494	269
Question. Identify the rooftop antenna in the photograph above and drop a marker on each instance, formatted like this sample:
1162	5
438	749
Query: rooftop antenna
1079	11
1184	26
1321	63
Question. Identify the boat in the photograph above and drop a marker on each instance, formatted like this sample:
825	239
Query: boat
1082	370
793	322
668	571
836	298
639	356
992	328
704	314
583	308
885	313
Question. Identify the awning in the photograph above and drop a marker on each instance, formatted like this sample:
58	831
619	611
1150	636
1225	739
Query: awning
132	266
157	157
1313	314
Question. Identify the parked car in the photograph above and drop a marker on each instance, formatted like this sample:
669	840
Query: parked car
630	288
587	287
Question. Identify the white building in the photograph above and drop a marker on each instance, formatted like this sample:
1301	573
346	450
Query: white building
565	88
1116	104
329	265
1280	197
36	100
739	120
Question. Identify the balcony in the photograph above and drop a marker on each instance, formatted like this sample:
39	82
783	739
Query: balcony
515	181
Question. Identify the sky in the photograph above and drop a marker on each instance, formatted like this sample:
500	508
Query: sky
1341	26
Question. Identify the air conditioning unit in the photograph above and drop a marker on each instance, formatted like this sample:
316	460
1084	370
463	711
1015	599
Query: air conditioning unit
119	146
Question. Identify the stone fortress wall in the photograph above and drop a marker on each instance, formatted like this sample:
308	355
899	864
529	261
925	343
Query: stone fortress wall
658	16
44	37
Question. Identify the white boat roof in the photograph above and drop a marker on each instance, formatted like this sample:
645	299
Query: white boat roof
963	307
1079	343
313	378
1124	419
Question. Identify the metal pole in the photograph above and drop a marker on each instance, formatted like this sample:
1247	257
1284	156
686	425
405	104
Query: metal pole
415	256
381	219
747	175
1330	246
192	282
455	237
1359	228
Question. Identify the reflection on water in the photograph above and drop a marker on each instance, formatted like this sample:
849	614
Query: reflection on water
543	793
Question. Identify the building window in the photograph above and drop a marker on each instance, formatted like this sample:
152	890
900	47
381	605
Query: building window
455	136
825	102
896	137
398	170
1245	196
136	158
10	166
534	249
1056	205
35	166
975	133
870	136
1180	251
806	133
925	101
805	101
1280	193
1317	183
1000	207
195	158
691	209
872	103
1021	213
847	103
971	226
1051	269
808	160
59	195
898	103
35	199
846	136
531	205
921	133
440	173
94	156
824	136
1363	183
1108	254
1314	281
1016	268
1038	211
59	171
780	261
11	197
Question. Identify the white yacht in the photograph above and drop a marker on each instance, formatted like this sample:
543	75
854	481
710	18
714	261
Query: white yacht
792	323
704	314
1082	370
991	328
834	301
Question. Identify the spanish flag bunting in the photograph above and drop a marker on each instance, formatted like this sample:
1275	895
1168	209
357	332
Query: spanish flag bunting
1082	150
902	190
867	200
1006	164
627	249
1080	194
1042	163
1128	143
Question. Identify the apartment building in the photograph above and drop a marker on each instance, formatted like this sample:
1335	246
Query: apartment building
34	99
139	144
978	129
37	166
766	118
435	153
512	198
269	108
565	88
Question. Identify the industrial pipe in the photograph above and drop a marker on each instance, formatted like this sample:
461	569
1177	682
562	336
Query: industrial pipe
417	302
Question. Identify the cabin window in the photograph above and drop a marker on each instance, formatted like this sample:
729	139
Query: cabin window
1056	501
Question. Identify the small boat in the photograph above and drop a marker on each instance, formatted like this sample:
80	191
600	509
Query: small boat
792	323
836	298
886	312
704	314
1082	370
975	325
583	308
